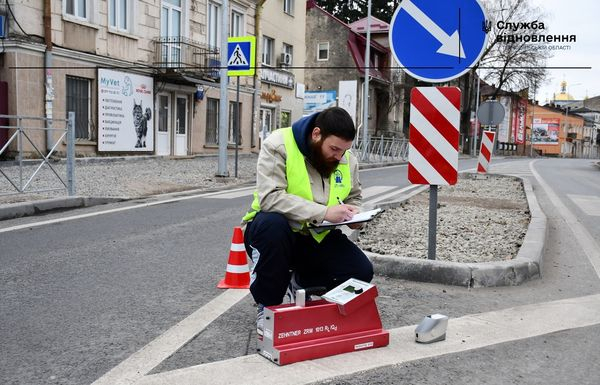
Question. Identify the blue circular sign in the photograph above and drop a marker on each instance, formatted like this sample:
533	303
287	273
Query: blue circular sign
437	41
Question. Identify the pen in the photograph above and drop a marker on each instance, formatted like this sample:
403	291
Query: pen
340	201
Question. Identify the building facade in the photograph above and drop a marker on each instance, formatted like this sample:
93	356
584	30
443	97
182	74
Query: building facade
335	65
554	132
281	57
141	75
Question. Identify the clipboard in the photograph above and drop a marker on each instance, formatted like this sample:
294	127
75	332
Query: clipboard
361	217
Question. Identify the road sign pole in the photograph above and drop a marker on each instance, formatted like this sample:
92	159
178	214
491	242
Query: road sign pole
433	200
476	129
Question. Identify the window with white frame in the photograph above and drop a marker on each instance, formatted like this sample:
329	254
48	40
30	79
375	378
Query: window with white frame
288	7
323	51
268	50
214	24
79	101
170	32
77	8
120	14
236	27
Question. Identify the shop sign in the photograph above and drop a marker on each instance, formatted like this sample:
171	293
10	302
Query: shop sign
280	78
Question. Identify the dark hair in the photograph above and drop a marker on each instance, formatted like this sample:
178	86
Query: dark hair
336	121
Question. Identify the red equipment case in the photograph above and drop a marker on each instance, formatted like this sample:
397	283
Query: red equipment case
346	320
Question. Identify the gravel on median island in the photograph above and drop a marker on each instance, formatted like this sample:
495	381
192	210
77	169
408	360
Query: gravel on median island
480	219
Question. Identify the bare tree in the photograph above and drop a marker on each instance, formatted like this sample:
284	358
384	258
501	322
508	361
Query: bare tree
350	11
512	60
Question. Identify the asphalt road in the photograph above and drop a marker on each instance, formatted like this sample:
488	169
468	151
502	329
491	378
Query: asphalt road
83	294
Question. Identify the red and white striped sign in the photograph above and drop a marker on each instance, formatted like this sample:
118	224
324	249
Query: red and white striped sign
485	152
434	135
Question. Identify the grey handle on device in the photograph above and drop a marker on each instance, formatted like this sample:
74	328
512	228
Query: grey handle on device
302	294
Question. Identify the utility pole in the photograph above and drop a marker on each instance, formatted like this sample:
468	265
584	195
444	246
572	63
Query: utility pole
223	102
365	118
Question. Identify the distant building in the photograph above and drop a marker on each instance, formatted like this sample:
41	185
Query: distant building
335	68
555	132
141	76
281	58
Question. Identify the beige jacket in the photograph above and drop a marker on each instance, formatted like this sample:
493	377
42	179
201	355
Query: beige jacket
271	184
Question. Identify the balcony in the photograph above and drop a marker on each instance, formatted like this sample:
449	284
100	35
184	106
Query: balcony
182	55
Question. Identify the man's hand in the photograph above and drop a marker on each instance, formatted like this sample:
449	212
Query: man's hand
340	213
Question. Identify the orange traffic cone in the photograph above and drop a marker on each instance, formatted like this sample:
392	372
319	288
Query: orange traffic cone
237	274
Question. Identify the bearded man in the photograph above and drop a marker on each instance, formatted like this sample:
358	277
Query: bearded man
305	175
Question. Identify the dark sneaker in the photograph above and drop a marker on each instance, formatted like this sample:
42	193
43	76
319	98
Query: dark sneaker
260	319
290	294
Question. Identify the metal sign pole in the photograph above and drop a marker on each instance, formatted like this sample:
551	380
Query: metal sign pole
71	153
433	199
476	129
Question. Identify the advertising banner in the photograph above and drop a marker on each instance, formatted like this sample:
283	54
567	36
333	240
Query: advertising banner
519	115
315	101
347	92
503	127
125	104
545	131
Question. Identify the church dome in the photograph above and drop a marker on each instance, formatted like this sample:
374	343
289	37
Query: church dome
563	95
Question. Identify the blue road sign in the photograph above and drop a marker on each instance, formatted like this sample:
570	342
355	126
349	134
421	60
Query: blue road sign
241	56
436	41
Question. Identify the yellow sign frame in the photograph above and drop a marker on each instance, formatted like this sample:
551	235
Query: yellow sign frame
252	65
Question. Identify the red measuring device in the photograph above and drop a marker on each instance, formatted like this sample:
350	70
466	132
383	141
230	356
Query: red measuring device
345	320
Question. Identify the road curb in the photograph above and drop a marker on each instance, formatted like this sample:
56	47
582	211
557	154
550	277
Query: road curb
22	209
525	266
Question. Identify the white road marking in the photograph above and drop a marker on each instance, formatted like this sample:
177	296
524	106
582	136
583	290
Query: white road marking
396	192
516	168
464	333
589	204
233	194
116	210
151	355
584	238
374	190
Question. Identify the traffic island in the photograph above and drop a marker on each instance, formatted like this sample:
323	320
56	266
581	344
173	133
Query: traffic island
495	236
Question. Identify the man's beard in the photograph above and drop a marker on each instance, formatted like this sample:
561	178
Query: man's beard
324	167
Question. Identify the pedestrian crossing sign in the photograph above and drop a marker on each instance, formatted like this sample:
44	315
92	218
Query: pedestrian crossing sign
241	53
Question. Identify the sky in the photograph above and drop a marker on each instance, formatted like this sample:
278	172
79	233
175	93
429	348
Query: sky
580	18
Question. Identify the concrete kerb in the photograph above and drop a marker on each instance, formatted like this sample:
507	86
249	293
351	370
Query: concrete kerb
23	209
526	265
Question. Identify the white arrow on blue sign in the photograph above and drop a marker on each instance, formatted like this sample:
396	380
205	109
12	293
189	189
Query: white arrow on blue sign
437	41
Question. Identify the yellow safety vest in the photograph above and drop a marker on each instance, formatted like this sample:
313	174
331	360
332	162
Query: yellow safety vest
340	182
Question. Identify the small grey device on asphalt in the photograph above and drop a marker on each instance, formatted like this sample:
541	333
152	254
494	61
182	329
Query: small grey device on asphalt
432	329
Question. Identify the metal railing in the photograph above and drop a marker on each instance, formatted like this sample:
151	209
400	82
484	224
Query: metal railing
381	149
15	175
181	53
